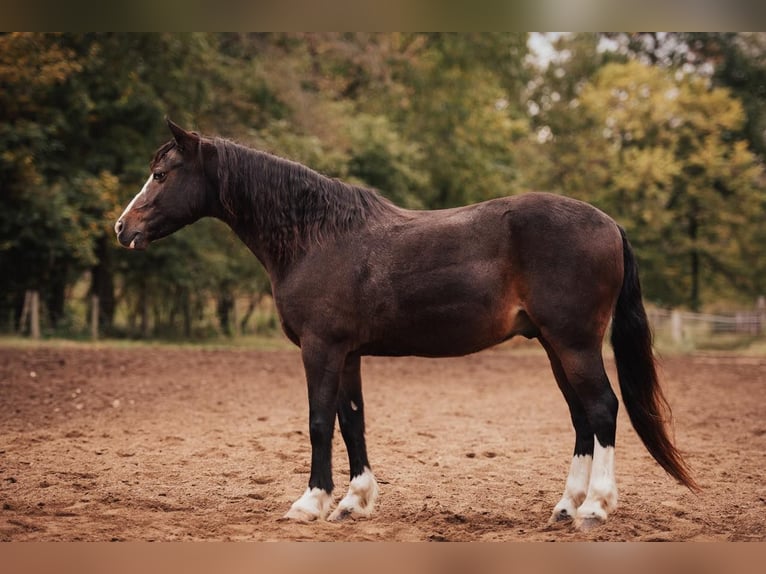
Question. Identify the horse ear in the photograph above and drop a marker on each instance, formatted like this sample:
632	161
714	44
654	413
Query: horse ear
185	140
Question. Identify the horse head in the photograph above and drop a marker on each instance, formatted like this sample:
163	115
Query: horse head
179	191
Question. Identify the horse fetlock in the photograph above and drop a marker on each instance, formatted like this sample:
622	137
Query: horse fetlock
595	510
360	499
601	496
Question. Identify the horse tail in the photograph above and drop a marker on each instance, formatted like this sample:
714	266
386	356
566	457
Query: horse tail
644	400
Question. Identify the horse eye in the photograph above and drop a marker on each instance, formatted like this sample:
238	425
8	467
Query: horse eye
159	176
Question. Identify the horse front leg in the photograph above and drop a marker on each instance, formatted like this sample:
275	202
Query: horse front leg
363	488
323	366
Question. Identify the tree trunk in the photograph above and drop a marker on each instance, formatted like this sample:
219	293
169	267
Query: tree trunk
102	284
187	313
143	308
23	316
254	300
694	260
94	319
224	307
56	295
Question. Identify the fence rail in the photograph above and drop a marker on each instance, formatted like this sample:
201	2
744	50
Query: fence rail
683	327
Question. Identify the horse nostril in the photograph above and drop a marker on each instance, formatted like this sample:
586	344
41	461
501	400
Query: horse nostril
118	226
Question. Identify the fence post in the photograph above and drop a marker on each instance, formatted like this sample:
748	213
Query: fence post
235	319
94	317
676	326
34	316
24	320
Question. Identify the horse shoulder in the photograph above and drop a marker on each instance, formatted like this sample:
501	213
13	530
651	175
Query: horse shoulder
323	293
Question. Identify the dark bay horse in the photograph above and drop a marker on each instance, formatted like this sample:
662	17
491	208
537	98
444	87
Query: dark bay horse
354	275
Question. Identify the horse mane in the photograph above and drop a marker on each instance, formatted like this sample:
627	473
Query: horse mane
288	205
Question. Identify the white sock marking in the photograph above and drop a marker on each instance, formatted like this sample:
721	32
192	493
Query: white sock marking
576	487
313	505
602	490
360	498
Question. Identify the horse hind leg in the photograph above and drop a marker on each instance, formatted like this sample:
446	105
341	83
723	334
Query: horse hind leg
576	488
359	501
584	371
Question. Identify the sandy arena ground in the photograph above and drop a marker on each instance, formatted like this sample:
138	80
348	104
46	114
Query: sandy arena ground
188	444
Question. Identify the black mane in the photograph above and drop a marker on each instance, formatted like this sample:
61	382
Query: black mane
289	205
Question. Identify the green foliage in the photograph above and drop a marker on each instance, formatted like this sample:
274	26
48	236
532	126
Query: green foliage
464	117
380	157
77	113
660	151
662	131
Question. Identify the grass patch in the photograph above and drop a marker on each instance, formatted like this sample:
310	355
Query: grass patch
274	342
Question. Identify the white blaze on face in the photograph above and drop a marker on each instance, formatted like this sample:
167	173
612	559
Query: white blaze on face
133	201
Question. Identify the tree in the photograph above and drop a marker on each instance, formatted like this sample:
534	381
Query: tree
734	60
630	122
39	227
79	113
462	107
739	64
661	152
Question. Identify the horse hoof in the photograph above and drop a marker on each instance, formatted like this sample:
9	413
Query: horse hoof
585	523
313	505
299	515
340	514
561	515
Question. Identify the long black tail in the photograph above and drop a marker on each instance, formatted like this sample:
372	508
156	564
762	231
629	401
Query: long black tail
647	407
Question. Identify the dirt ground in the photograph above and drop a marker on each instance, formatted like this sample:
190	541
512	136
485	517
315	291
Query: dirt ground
190	444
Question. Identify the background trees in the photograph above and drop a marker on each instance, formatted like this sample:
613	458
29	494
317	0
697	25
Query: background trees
663	131
663	152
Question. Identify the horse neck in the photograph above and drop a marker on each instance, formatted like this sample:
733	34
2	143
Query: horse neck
283	210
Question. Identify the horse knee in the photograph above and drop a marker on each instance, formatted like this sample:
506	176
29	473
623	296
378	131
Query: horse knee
321	428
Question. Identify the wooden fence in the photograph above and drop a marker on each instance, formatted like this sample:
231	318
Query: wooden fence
686	327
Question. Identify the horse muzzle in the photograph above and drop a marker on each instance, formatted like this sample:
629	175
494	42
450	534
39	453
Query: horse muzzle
132	239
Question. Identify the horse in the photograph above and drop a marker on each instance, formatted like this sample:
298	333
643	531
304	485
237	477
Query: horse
354	275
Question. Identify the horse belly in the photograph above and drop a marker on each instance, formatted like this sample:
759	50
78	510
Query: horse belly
438	336
439	315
